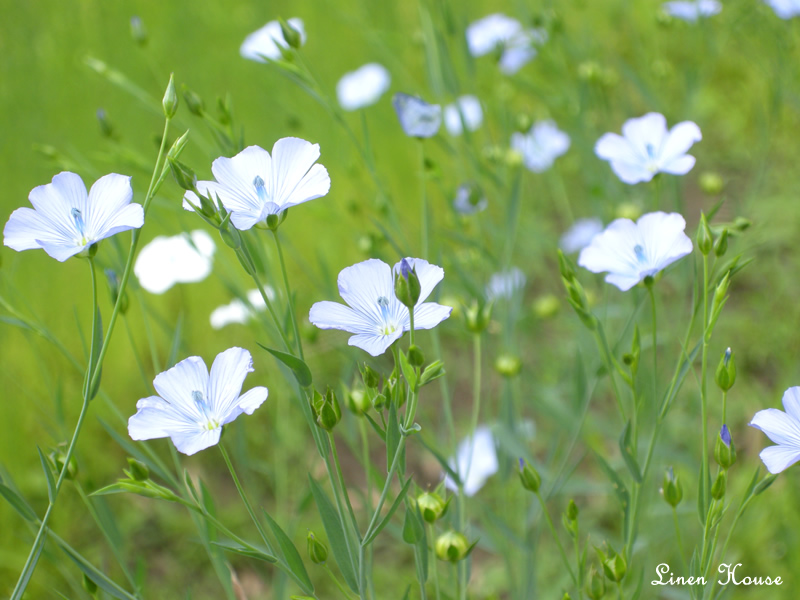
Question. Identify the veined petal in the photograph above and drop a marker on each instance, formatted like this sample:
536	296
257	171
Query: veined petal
417	117
663	237
26	229
623	281
236	177
191	442
614	147
430	314
247	403
373	343
55	201
332	315
680	138
292	159
646	134
226	379
779	458
61	251
779	427
362	284
156	418
176	385
791	402
613	249
109	207
315	184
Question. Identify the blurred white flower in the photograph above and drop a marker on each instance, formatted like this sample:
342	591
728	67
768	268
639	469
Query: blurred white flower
166	261
630	251
254	185
497	31
505	284
363	86
475	461
192	405
785	9
647	148
691	11
239	312
268	41
417	118
469	199
580	234
541	146
468	107
373	312
783	428
66	221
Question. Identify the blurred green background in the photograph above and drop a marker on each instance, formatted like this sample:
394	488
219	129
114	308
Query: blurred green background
735	75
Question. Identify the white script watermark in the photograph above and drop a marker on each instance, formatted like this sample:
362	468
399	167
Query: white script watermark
727	573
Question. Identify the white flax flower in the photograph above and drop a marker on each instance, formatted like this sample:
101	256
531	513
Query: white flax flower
541	146
266	43
363	87
475	461
182	258
466	110
783	428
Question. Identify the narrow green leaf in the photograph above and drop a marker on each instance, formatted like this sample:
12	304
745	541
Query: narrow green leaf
385	521
626	448
335	532
408	371
300	369
616	482
378	429
93	573
17	503
249	551
48	474
290	554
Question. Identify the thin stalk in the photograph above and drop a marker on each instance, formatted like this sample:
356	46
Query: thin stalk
430	542
336	581
678	538
385	492
703	395
362	429
342	486
724	407
288	294
556	538
276	321
655	340
423	200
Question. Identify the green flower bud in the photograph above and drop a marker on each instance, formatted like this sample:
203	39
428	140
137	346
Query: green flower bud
224	110
508	365
317	551
572	510
628	210
415	356
290	34
230	235
369	376
274	221
523	122
477	316
184	176
193	102
57	457
138	31
513	158
704	239
721	245
614	565
724	450
742	224
138	471
357	402
432	371
726	371
547	306
565	267
711	183
379	401
170	101
720	485
326	409
406	285
452	546
596	588
431	506
529	477
671	489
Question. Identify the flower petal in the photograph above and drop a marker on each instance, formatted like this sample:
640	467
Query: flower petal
361	285
332	315
614	147
430	314
267	41
292	159
362	87
109	209
631	173
780	427
679	166
236	178
156	418
791	402
646	134
476	461
374	343
176	385
467	108
680	138
315	184
192	442
612	250
516	57
226	379
26	229
664	238
779	458
55	201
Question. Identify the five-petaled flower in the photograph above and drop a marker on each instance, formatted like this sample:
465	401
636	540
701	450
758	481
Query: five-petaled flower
466	110
504	284
541	146
630	251
362	87
646	148
192	405
783	428
475	461
254	185
498	31
65	220
374	314
785	9
182	258
417	118
266	43
691	11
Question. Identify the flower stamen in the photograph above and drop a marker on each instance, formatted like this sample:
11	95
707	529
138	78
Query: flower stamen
210	423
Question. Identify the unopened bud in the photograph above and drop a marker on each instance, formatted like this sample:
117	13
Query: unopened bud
614	565
357	401
415	356
720	485
452	546
547	306
170	101
290	34
106	128
477	316
724	450
726	371
193	102
431	506
508	365
711	183
317	551
113	288
596	588
529	477
138	471
370	377
432	371
704	239
721	245
407	288
671	489
184	176
572	510
326	409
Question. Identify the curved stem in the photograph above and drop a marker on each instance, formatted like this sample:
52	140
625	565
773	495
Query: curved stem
703	396
288	294
555	537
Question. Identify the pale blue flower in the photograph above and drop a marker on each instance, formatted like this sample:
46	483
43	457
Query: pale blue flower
647	148
785	9
65	220
505	284
469	199
192	405
499	32
183	258
266	43
417	118
373	312
541	146
783	428
630	251
475	461
580	234
691	11
363	87
237	311
467	108
254	185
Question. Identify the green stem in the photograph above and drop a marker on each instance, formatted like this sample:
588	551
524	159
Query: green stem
342	486
362	428
556	538
385	492
275	320
724	407
605	350
338	583
655	341
703	396
431	538
678	537
288	294
243	496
